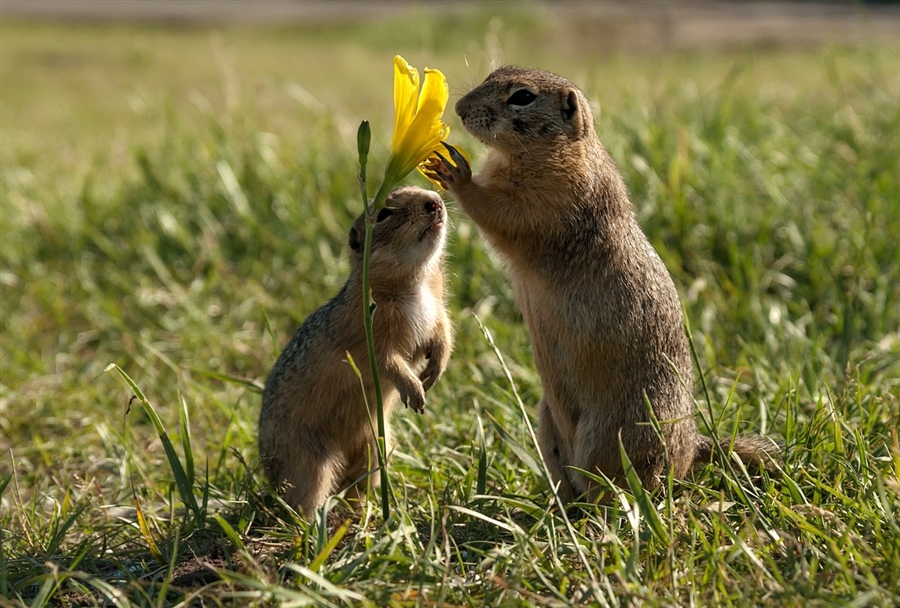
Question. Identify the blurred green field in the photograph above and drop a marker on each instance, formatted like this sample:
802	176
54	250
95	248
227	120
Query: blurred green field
175	200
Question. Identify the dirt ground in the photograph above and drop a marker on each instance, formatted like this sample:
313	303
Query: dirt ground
636	24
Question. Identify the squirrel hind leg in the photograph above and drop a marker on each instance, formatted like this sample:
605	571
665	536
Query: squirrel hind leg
307	482
361	472
758	453
555	455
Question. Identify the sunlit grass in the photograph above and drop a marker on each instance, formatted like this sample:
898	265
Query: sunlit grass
172	203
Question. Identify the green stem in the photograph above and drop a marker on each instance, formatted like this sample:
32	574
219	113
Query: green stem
368	314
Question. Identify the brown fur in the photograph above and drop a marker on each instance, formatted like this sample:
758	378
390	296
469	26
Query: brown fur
314	430
603	313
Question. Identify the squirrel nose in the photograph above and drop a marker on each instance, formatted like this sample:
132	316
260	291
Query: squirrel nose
433	206
462	107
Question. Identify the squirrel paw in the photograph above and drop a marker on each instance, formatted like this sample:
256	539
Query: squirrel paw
431	373
448	172
413	397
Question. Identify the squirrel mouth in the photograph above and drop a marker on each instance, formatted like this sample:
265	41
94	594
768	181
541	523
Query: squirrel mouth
434	228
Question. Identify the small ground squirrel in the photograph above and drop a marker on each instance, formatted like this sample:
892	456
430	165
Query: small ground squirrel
605	320
315	437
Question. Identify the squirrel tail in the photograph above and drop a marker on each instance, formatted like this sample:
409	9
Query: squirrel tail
758	453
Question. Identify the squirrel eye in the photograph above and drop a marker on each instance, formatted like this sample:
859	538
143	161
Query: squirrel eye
522	97
384	214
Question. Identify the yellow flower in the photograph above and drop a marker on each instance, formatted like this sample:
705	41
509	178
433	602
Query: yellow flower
418	125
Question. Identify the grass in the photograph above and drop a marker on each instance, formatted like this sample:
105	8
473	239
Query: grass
175	202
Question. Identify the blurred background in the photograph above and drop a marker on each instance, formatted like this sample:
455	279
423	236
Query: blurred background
106	63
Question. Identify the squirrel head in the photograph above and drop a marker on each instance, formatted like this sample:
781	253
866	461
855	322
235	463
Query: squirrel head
516	109
408	233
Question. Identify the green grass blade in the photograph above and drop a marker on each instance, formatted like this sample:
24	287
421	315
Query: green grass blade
253	385
45	592
481	483
184	485
60	530
643	498
329	547
236	541
518	449
185	424
509	527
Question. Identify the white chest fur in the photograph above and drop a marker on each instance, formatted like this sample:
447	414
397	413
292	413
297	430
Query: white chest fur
421	311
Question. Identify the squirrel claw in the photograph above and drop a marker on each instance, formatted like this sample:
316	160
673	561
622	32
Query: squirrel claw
418	408
414	399
448	172
458	159
436	177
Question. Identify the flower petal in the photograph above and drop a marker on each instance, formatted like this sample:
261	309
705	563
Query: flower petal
406	92
435	93
426	131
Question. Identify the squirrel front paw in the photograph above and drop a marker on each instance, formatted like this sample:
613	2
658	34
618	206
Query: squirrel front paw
449	172
431	373
413	395
436	355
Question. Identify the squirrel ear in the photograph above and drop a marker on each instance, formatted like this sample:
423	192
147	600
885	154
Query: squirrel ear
570	105
572	114
355	243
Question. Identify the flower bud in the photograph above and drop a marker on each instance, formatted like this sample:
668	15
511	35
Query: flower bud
363	139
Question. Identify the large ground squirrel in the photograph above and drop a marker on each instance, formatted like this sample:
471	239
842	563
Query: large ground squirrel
604	316
315	437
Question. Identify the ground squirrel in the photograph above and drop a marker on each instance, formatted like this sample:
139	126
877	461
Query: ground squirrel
315	437
604	316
